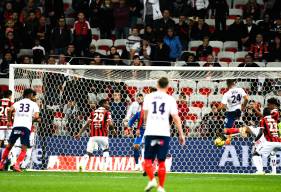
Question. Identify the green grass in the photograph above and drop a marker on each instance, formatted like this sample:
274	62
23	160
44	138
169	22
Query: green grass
134	182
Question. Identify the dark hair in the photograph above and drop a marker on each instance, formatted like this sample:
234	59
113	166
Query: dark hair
274	101
34	93
230	82
102	102
266	112
27	92
163	82
139	95
7	93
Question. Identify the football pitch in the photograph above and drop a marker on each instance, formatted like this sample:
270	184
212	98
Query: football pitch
133	182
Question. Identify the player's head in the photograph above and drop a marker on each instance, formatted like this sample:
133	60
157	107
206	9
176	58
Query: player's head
273	103
266	111
7	94
28	93
34	96
104	103
230	83
140	98
163	83
152	89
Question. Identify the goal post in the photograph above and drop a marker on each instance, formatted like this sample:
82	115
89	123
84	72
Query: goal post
67	94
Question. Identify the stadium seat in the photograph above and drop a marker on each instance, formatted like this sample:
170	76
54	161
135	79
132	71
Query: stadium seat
120	43
224	64
69	22
104	44
4	84
37	85
179	63
234	12
102	52
205	87
226	56
187	87
229	22
211	23
230	46
222	87
273	64
132	91
176	20
240	55
206	110
197	100
217	46
195	110
214	100
21	84
25	52
239	4
95	33
193	45
157	74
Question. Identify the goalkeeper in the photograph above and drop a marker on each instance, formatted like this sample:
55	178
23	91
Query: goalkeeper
139	136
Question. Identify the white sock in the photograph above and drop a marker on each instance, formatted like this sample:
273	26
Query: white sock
257	161
27	159
273	162
106	159
14	154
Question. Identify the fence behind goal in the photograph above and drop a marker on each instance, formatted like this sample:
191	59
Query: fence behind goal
67	94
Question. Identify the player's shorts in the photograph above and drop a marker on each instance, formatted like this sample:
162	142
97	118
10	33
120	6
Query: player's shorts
139	139
156	146
96	143
231	117
31	138
20	132
266	148
5	134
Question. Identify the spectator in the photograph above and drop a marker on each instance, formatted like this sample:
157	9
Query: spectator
249	33
204	50
200	8
252	114
121	20
220	10
25	59
235	31
30	31
60	37
212	123
182	30
162	25
174	44
62	60
151	12
8	11
116	60
211	62
38	52
259	49
142	48
276	28
136	61
134	12
70	53
133	38
275	49
160	53
190	61
97	60
248	62
10	43
96	13
149	34
82	35
118	111
199	30
54	10
252	9
4	67
43	33
106	23
81	6
265	25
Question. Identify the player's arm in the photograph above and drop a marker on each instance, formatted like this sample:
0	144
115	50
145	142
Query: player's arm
223	103
245	102
77	136
133	120
36	117
10	112
177	122
259	134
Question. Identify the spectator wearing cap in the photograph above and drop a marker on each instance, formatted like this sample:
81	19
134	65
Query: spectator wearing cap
82	35
174	44
204	50
60	37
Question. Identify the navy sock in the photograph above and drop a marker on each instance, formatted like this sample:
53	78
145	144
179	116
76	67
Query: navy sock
136	155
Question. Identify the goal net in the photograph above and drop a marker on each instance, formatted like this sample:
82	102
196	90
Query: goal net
67	94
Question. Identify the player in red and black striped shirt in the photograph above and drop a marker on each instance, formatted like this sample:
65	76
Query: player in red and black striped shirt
5	104
99	122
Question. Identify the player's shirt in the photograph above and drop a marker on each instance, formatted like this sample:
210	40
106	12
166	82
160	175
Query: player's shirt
100	119
233	98
255	131
5	104
133	109
24	111
270	129
159	106
137	117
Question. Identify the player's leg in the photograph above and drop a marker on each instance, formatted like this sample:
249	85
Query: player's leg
136	146
104	145
91	146
27	159
273	162
2	137
161	156
257	161
150	151
229	129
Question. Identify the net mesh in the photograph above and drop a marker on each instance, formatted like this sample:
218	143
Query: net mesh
67	96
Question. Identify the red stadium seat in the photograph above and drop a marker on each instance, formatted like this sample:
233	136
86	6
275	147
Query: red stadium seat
191	116
187	90
131	90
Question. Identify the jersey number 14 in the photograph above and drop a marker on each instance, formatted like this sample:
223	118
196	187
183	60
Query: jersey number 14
161	108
